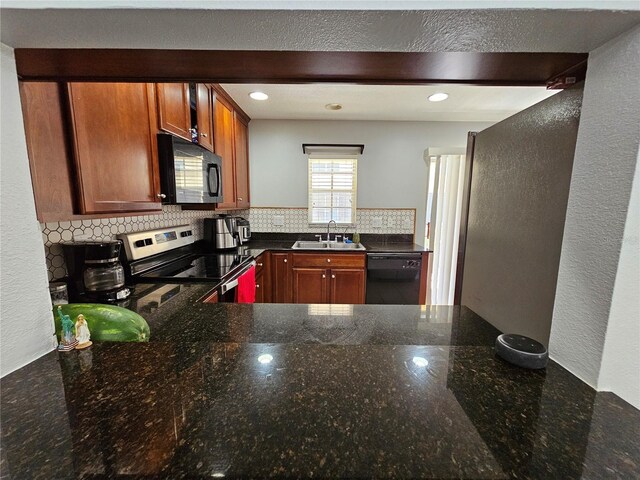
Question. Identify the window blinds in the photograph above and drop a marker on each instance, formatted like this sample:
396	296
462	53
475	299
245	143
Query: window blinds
332	189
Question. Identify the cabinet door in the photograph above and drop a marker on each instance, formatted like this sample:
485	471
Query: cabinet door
347	286
52	173
260	287
309	285
114	146
204	109
280	278
174	112
223	145
263	270
241	141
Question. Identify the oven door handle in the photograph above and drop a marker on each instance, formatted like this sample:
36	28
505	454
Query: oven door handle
233	282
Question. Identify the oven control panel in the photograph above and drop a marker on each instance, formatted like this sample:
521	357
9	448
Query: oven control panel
139	245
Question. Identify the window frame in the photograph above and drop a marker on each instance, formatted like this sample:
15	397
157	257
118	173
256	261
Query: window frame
332	156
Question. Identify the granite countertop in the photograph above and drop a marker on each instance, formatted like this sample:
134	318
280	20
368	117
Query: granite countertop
307	390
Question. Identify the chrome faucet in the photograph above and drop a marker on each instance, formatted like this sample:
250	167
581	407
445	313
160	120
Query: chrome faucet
329	227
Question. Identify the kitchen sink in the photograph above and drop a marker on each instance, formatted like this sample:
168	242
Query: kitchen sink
302	245
311	245
346	246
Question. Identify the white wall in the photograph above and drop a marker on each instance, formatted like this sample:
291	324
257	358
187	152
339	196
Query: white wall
26	322
620	370
391	171
603	171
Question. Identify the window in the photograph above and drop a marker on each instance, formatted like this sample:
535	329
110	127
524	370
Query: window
332	188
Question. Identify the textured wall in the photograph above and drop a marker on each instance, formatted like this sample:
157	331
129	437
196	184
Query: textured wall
392	172
427	31
519	191
620	370
605	162
26	324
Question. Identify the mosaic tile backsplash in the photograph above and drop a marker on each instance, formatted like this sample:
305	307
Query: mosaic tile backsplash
296	220
55	233
279	220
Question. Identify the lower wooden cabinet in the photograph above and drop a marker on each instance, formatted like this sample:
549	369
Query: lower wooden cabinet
263	278
347	285
337	285
284	277
319	278
281	278
310	285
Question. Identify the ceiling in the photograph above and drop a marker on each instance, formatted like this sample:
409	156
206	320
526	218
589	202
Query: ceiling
488	30
384	102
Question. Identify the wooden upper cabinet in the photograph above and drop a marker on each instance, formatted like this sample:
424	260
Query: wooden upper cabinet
241	140
204	109
51	168
174	112
113	129
224	146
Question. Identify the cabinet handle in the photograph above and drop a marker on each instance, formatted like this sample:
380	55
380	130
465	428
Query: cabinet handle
333	276
161	195
239	199
285	260
260	264
324	276
257	285
328	260
203	134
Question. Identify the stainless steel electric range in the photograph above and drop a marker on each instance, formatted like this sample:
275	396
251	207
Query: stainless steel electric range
170	255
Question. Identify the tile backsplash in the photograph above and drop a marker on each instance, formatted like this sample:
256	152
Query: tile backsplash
292	220
55	233
296	220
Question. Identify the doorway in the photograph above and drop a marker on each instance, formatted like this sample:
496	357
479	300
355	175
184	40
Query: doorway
446	167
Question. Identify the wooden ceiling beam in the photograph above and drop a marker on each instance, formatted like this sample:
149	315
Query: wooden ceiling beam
254	66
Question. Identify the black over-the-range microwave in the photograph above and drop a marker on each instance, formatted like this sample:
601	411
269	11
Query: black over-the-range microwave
189	173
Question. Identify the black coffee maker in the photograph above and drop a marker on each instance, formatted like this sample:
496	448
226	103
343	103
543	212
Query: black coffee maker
95	271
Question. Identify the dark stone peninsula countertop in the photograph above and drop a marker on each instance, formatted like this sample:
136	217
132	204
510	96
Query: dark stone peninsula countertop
329	391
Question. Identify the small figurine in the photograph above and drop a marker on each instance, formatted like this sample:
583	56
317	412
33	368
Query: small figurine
82	333
67	337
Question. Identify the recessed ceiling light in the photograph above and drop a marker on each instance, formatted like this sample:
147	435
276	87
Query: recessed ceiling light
438	97
258	95
333	106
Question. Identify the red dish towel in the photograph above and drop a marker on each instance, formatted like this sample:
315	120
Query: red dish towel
246	291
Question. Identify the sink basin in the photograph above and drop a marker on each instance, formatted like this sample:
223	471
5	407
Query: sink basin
311	245
346	246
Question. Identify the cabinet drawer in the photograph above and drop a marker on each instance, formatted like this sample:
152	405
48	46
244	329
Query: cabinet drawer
328	260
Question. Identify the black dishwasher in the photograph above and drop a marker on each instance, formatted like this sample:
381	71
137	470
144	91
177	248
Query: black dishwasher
393	278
